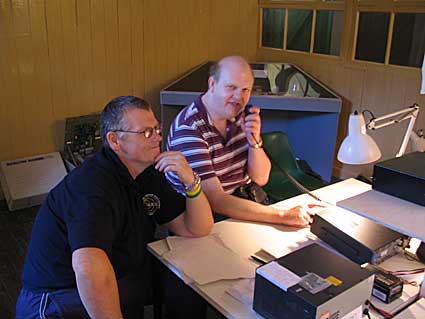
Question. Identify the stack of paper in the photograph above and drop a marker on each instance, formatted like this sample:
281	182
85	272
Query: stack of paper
210	259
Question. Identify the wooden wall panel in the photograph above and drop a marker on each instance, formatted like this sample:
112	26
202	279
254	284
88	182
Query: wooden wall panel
85	62
38	112
69	42
137	48
156	36
25	68
248	16
99	38
59	92
111	48
64	58
10	82
232	23
124	45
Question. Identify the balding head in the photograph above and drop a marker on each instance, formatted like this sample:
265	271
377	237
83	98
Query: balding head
229	62
229	88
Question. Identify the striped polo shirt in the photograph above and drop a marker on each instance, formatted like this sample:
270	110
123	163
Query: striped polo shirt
209	153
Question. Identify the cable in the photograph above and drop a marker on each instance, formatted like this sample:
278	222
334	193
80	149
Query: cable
407	272
383	313
294	182
366	312
68	148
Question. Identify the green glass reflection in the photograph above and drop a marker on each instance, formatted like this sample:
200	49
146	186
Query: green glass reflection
372	36
408	42
299	29
273	26
329	28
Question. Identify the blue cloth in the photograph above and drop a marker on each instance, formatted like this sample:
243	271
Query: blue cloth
63	303
66	303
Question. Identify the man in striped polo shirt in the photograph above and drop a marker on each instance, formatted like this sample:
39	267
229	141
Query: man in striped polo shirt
224	147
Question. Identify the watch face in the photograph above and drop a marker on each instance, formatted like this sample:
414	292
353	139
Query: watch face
151	204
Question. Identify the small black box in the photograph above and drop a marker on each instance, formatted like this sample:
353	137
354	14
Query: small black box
386	286
403	177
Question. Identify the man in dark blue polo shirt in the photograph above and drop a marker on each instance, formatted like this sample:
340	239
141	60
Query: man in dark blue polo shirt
87	255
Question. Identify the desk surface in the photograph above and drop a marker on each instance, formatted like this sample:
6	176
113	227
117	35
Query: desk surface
277	239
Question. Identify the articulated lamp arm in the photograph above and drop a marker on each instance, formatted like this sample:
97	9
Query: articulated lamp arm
399	116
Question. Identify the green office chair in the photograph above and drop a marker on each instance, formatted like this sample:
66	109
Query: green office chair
279	187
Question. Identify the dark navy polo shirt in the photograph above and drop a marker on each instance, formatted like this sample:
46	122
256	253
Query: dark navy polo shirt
98	205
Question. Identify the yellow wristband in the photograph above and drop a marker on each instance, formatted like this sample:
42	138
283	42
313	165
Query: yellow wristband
195	192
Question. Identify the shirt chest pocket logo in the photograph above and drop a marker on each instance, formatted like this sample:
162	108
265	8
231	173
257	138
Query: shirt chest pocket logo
151	204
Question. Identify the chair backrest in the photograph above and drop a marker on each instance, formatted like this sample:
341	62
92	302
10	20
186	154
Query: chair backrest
277	146
284	77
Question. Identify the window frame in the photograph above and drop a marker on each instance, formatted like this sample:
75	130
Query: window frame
351	10
385	6
313	5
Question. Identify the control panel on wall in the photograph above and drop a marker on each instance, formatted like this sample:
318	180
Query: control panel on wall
82	138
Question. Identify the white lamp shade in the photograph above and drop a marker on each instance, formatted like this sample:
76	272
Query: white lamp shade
358	147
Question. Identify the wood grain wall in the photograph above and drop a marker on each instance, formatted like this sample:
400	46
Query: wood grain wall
65	58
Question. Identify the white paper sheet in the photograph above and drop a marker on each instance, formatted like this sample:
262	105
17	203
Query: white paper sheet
243	291
209	259
279	275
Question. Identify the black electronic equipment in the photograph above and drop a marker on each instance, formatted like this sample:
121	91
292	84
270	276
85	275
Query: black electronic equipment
246	110
403	177
357	238
386	287
82	138
312	282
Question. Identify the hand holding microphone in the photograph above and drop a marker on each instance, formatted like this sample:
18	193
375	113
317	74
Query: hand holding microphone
251	125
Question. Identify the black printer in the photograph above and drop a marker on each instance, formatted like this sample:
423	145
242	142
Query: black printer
311	283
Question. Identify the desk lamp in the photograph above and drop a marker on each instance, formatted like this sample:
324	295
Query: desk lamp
359	148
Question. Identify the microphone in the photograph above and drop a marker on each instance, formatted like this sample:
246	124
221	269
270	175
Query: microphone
246	110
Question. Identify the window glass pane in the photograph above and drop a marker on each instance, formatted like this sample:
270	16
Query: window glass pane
273	24
329	28
408	43
299	30
372	36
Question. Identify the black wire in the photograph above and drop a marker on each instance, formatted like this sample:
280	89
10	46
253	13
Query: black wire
294	182
371	114
366	312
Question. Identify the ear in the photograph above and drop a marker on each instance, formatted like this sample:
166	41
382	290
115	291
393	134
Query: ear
211	83
113	141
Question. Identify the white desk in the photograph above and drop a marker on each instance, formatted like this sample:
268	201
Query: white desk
246	238
417	310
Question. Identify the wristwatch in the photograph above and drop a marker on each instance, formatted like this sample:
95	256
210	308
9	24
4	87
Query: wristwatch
196	182
257	145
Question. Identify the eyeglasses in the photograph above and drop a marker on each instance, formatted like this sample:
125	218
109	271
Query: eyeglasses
148	132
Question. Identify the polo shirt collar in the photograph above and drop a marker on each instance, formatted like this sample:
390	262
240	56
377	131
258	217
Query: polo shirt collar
121	170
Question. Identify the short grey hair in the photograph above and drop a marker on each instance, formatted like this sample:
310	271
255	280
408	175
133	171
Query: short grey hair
112	116
215	70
